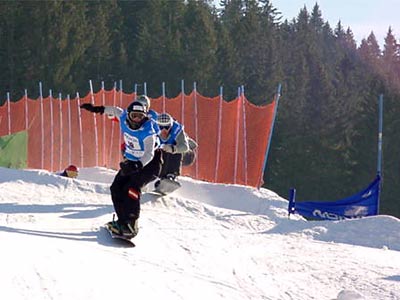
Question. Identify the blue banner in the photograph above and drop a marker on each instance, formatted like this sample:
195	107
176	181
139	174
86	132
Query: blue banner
364	203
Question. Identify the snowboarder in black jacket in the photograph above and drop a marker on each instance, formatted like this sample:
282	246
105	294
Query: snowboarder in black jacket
141	163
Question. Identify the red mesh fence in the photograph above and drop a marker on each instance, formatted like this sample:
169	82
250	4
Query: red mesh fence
232	136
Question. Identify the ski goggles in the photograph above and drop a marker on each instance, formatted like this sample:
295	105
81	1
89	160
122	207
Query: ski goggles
167	127
136	115
72	174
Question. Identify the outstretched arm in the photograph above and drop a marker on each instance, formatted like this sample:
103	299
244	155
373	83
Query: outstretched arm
110	111
94	109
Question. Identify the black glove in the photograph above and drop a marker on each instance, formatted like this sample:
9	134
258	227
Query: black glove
94	109
129	167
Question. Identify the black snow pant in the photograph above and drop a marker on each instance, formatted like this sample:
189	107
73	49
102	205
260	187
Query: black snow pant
171	164
126	190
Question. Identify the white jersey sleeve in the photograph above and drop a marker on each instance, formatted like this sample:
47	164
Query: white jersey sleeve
149	148
113	111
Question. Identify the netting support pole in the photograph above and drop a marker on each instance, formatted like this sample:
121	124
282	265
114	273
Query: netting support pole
41	123
221	92
278	95
183	101
112	128
61	130
26	110
292	202
380	135
120	105
196	124
103	102
244	135
9	113
96	139
163	96
69	130
235	171
80	128
51	131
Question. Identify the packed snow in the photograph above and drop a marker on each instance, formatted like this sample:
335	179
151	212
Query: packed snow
204	241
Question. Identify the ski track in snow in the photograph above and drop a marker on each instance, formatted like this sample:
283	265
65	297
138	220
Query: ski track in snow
204	241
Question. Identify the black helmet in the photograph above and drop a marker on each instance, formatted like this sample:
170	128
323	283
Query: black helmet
137	106
134	110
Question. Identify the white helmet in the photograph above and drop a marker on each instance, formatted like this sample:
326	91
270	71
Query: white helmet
164	120
144	100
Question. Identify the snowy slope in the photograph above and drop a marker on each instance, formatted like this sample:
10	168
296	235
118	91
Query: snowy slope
204	241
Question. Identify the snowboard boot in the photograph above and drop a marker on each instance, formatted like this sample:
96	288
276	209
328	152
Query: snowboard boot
128	230
167	184
171	177
133	227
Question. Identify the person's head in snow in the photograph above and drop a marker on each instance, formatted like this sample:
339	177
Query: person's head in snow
71	171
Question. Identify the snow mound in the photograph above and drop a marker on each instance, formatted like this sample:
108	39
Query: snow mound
204	241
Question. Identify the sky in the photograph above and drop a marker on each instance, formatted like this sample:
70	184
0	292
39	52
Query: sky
203	241
362	16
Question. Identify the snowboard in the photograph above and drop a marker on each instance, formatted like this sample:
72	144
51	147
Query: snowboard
166	186
121	238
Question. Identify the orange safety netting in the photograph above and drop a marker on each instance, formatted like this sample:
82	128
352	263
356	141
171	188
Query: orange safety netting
232	136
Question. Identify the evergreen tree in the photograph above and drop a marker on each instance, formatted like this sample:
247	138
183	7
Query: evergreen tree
159	48
132	14
370	53
61	43
251	28
391	61
99	56
227	62
230	68
9	50
199	45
